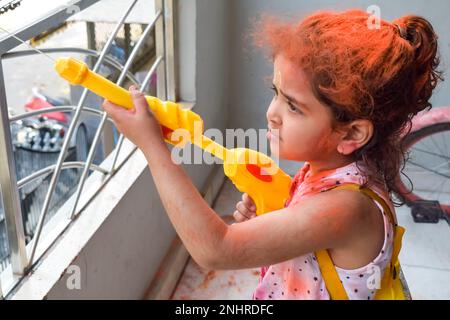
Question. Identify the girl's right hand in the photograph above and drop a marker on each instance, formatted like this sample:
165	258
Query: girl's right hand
245	209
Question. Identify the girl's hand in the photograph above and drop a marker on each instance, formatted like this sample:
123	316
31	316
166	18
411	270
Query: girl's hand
139	124
245	209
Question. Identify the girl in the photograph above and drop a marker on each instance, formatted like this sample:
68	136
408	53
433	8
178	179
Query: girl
344	93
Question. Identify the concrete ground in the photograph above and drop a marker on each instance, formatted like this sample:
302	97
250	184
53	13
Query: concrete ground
425	259
197	283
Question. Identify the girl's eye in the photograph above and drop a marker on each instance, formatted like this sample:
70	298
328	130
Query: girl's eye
292	108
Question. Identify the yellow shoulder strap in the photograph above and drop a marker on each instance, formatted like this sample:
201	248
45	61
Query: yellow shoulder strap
330	276
326	265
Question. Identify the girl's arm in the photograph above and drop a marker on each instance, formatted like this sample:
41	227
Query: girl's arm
323	221
199	227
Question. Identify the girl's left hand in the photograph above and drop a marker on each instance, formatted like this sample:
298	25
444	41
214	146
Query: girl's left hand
245	209
139	124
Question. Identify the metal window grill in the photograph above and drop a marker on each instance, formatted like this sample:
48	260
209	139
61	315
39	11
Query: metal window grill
60	173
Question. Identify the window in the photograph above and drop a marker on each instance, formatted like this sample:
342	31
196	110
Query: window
50	152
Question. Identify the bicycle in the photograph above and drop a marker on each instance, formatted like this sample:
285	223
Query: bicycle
427	166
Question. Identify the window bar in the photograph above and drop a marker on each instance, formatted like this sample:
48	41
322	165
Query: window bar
55	109
160	51
144	84
49	169
165	47
151	72
9	190
169	20
65	146
105	115
107	60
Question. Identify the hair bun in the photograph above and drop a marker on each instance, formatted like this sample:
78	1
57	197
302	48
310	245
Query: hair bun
419	32
402	31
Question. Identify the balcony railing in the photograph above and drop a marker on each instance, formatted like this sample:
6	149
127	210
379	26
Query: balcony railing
24	254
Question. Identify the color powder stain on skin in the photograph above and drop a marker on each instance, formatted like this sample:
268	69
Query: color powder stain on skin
231	281
313	178
208	277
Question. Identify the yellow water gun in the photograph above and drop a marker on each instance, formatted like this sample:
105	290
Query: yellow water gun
250	171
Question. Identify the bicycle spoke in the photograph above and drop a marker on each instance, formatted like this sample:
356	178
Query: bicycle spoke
431	153
428	169
439	187
428	165
434	142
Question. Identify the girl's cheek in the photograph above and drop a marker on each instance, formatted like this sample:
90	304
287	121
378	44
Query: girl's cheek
325	141
309	143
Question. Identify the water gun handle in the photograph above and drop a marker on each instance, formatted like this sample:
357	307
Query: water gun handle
169	114
260	177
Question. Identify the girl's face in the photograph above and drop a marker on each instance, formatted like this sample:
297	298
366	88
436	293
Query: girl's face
300	127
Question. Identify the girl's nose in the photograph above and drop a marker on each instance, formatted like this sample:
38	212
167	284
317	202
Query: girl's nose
273	116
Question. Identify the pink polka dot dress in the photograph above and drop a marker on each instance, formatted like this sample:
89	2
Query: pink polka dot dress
300	278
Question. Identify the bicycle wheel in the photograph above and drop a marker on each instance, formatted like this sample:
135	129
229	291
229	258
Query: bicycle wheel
427	165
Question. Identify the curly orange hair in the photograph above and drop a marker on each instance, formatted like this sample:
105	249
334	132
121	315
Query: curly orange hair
385	75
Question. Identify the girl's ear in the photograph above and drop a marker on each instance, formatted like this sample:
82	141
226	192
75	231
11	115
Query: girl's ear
357	134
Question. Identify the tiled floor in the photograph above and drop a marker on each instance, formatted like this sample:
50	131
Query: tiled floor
425	259
199	284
